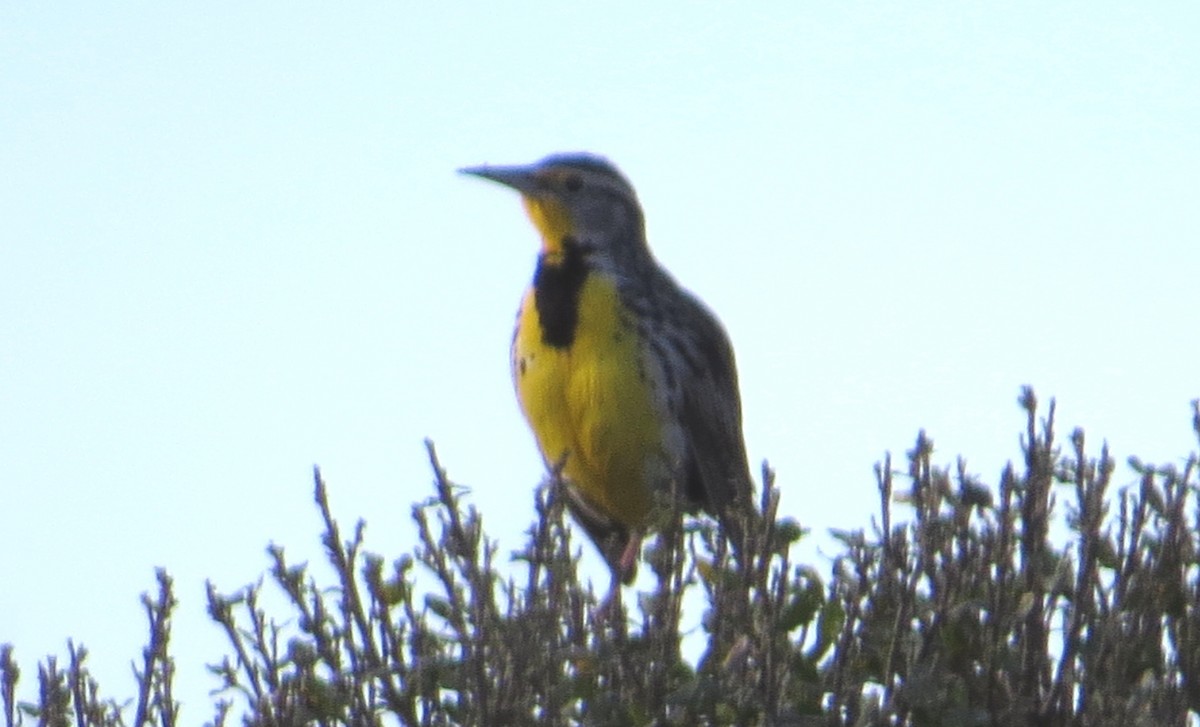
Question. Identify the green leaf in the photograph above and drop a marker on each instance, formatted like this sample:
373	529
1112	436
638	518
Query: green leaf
802	607
829	626
439	606
789	531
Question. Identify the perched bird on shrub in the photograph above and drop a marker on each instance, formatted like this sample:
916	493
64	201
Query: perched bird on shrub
627	380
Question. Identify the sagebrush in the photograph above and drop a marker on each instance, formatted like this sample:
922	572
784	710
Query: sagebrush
956	606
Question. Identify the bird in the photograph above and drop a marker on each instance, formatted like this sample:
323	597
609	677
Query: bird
627	380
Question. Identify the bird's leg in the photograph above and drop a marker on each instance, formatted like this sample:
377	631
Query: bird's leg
623	572
610	605
627	564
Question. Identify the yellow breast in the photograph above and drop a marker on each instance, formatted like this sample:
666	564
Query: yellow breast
591	404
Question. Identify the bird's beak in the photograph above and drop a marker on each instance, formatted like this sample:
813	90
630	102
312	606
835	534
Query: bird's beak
520	178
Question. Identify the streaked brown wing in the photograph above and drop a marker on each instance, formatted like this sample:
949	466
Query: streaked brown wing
716	467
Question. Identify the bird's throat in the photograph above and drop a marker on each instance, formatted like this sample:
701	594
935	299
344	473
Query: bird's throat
552	221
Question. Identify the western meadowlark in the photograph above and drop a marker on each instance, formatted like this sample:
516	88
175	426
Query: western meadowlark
626	379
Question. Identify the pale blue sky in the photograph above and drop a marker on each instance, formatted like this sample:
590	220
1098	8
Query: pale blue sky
233	245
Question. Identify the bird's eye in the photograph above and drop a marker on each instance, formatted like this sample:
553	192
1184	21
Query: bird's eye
573	183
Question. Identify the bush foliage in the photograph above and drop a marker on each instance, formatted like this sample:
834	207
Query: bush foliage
968	610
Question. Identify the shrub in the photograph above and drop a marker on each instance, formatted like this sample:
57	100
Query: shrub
966	613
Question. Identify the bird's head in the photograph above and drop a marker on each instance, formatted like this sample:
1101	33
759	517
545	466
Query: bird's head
579	198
